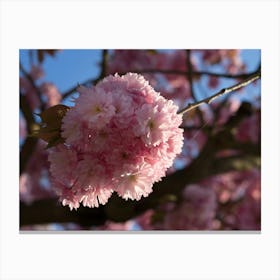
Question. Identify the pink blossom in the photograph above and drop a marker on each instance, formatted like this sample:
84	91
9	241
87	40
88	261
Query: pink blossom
231	59
137	182
22	128
229	109
64	161
125	60
175	86
196	211
213	82
249	129
109	225
239	196
95	106
120	136
155	128
51	92
211	56
145	220
234	62
36	72
72	127
170	85
248	212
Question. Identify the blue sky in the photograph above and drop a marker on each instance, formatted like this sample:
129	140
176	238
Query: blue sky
68	67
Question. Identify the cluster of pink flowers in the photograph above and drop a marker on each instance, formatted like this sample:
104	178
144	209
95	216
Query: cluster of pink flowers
120	136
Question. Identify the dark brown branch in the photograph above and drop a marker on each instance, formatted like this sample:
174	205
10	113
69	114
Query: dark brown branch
224	91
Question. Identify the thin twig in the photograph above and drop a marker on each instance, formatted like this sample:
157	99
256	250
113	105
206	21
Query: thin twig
224	91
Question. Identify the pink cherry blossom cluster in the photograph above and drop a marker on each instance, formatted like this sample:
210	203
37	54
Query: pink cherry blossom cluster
120	136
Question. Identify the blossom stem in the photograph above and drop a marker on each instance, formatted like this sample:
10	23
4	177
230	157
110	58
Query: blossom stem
224	91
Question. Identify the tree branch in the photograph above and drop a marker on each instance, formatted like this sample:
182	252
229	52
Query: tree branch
224	91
